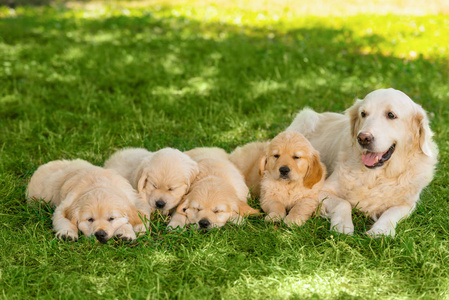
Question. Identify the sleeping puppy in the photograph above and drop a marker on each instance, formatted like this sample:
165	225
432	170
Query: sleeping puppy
380	155
218	194
162	177
286	173
94	200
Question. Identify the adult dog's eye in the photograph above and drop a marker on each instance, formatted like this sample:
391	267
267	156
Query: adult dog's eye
90	220
391	115
111	219
276	155
363	114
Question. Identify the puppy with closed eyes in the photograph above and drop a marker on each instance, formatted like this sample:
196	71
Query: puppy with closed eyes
285	173
218	194
162	177
94	200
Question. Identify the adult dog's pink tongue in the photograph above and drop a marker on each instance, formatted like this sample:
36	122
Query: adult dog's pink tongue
371	158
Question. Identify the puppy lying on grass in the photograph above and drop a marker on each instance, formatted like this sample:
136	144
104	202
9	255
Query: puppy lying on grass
218	194
94	200
162	178
285	173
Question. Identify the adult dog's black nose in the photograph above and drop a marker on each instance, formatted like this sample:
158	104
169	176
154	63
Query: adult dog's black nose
101	236
204	223
160	204
284	170
365	138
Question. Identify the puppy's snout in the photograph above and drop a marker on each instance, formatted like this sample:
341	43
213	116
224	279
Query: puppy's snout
365	138
284	170
160	204
204	223
101	236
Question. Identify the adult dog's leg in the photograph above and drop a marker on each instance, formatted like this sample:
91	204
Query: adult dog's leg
339	211
387	222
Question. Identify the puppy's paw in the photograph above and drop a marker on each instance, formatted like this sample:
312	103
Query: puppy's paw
174	224
140	229
342	226
67	235
274	217
125	234
294	220
378	231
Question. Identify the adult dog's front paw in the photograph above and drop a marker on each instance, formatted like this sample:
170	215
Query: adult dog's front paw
67	235
379	230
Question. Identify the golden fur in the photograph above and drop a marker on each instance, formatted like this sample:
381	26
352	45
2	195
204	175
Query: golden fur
94	200
291	197
162	177
218	194
386	191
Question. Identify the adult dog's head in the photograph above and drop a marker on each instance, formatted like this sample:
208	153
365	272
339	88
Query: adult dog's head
165	177
291	157
386	122
212	202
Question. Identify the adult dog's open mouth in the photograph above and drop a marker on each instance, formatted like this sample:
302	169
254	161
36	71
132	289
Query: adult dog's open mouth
377	159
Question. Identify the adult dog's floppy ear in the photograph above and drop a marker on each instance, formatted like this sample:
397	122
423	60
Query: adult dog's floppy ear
181	209
262	164
424	133
243	209
314	171
354	116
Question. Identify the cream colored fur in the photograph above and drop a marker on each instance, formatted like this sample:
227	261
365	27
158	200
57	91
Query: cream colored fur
218	194
163	176
94	200
388	193
291	198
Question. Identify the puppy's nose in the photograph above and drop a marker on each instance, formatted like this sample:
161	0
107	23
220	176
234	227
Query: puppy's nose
160	204
101	236
204	223
365	138
284	170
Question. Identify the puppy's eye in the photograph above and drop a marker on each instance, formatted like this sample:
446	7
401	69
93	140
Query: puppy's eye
276	155
296	157
170	189
216	211
111	219
363	114
154	186
90	220
391	116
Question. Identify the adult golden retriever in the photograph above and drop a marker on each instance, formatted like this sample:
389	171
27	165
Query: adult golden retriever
286	173
94	200
380	155
218	194
162	177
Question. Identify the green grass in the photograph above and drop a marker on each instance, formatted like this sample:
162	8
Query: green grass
81	82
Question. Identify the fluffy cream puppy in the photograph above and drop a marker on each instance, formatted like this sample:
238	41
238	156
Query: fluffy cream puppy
286	173
94	200
380	154
162	177
218	194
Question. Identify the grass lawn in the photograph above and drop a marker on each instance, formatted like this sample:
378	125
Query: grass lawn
83	80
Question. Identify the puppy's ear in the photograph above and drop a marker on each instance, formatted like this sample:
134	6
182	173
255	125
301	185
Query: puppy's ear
141	180
243	209
424	132
262	164
181	209
194	171
133	215
354	117
314	171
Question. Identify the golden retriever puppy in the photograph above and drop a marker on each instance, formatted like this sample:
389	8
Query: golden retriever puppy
94	200
380	154
162	177
286	173
218	194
